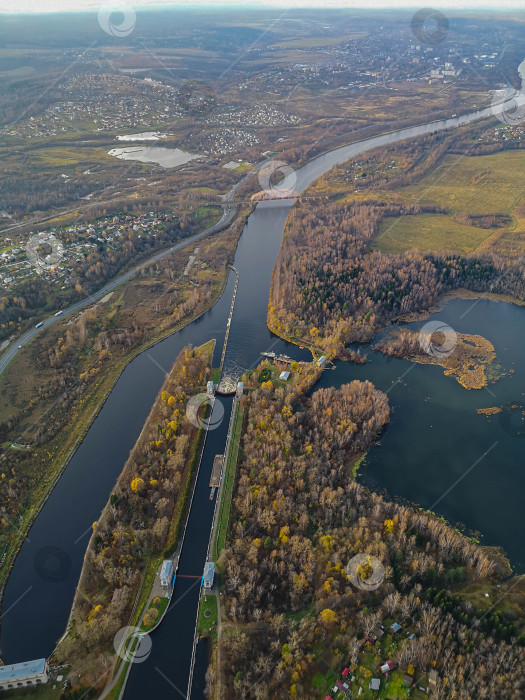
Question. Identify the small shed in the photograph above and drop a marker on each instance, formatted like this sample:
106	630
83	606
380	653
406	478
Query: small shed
209	574
395	627
321	361
345	672
374	684
432	678
387	666
284	376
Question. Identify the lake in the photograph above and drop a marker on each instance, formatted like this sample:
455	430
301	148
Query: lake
432	450
165	157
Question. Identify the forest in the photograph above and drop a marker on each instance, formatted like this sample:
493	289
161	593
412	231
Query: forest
52	391
141	520
327	285
294	617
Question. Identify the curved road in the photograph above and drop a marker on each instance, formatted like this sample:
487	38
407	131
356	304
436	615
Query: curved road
227	217
230	209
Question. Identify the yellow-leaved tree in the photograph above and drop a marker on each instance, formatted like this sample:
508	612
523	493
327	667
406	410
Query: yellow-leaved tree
328	617
137	484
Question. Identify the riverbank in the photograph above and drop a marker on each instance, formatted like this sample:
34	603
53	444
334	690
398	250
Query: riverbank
82	417
140	525
260	242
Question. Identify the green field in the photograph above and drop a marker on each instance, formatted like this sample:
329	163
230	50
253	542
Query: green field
473	184
207	621
493	184
428	233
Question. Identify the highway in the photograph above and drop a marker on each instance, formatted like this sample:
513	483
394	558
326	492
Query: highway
227	217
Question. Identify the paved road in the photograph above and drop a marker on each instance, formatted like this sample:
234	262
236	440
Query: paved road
227	218
14	349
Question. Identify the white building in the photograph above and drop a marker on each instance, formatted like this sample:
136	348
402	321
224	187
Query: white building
166	573
24	674
209	575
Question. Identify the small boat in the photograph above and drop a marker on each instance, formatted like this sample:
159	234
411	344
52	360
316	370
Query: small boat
212	493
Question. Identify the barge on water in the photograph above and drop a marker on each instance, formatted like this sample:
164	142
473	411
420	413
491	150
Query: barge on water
283	359
227	386
274	356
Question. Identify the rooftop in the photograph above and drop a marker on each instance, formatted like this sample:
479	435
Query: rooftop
26	668
209	571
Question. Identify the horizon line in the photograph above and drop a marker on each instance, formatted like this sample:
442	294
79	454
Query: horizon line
93	6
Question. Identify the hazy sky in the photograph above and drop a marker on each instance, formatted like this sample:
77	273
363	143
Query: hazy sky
76	5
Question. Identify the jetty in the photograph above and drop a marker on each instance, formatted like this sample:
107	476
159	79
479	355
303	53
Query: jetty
283	359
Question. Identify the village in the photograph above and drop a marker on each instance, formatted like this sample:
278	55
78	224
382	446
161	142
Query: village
49	254
372	673
101	103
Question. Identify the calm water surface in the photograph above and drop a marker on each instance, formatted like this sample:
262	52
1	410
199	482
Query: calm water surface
426	454
432	450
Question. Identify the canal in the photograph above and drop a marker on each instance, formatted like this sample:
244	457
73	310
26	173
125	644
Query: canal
40	590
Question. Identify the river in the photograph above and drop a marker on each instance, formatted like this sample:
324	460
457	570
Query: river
40	590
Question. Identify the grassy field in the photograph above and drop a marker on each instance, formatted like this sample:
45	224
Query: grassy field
493	184
473	184
207	621
428	233
319	42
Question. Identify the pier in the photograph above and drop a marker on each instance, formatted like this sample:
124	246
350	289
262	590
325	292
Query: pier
228	323
228	385
283	359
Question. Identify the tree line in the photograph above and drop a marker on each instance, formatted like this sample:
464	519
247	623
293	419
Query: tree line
299	517
140	519
328	285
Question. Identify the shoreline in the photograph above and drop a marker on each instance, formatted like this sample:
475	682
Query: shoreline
100	400
173	541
